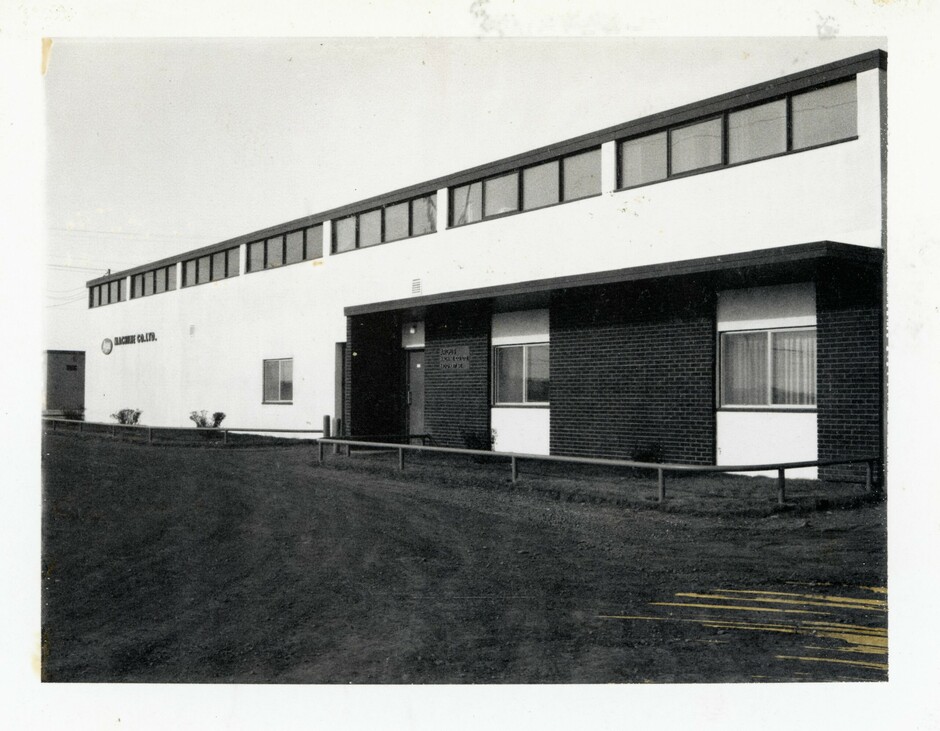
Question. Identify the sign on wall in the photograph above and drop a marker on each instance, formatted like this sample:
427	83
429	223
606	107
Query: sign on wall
107	345
456	358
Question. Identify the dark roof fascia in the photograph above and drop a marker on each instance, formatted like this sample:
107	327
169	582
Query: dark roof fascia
150	266
782	255
817	76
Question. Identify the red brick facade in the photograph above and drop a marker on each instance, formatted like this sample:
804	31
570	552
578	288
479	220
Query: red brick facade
633	373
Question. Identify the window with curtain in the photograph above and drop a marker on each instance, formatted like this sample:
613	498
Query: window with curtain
768	368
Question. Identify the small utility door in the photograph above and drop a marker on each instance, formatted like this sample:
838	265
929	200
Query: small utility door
414	391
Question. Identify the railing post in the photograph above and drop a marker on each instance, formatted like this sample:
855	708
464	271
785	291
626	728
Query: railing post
320	452
337	432
326	425
515	469
225	436
53	425
781	486
81	427
661	485
149	435
401	459
868	480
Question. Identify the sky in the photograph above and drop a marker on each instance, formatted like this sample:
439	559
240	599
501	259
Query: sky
155	147
124	152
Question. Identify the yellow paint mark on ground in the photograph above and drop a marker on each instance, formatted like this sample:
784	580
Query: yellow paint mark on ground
858	663
740	609
860	649
854	627
842	600
751	626
860	640
847	638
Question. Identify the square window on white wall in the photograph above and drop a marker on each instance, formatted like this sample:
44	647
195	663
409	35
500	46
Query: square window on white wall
278	377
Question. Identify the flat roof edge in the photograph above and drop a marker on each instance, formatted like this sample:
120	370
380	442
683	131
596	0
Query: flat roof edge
779	255
754	93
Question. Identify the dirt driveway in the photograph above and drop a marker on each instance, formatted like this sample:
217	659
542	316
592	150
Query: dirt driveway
254	564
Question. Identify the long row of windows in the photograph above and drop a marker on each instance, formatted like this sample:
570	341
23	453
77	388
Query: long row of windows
556	181
290	248
758	368
795	122
156	281
791	123
211	267
106	293
392	222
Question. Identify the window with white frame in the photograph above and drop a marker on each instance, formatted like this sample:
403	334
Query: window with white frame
521	374
768	368
279	381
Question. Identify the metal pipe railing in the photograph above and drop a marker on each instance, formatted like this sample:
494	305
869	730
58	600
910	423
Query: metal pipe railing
660	467
202	430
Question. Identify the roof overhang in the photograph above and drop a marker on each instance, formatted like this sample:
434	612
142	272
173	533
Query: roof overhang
731	269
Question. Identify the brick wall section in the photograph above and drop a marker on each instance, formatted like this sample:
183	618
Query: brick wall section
849	368
457	403
374	364
633	373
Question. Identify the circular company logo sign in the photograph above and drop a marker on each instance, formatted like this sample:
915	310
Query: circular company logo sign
106	346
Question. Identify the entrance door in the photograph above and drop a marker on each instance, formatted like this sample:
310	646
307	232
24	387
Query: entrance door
414	394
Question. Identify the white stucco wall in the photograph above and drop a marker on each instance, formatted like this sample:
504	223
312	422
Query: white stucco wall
765	437
211	341
212	338
521	430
